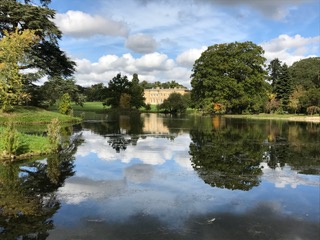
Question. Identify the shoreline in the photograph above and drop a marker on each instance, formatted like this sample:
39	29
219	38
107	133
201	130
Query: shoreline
291	118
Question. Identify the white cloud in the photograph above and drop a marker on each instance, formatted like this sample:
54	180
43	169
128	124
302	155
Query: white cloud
291	49
80	24
150	67
188	57
285	176
141	43
151	151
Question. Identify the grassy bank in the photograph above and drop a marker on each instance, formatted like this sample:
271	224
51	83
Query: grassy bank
33	115
28	146
286	117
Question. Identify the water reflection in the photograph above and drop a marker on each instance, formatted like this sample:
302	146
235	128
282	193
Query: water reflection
28	197
161	177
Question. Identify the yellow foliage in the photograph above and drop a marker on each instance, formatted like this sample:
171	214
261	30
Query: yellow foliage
13	47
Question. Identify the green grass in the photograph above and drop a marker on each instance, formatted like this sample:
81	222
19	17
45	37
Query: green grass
33	115
89	106
29	145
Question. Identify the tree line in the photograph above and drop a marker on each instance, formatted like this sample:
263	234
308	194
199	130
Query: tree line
227	78
234	78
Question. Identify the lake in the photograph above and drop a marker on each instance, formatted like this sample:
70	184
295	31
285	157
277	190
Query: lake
153	176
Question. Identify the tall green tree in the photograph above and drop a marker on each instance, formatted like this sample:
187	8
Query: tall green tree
137	92
53	89
44	55
283	88
232	75
274	69
118	86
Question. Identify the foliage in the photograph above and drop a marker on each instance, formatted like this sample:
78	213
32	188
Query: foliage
148	107
272	105
125	101
306	73
231	75
136	92
157	84
10	140
223	157
116	87
174	103
125	94
274	69
56	87
54	134
97	92
283	88
64	104
313	110
305	84
44	55
12	55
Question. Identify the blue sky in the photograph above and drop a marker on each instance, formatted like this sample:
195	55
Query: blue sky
160	40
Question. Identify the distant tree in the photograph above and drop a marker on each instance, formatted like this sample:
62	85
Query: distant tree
116	87
148	107
174	103
97	92
56	87
232	75
157	84
136	92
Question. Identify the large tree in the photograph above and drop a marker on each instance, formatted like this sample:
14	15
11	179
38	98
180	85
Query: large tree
117	87
44	55
232	75
12	55
274	69
305	75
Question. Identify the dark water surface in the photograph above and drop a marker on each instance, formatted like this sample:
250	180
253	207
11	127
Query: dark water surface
152	176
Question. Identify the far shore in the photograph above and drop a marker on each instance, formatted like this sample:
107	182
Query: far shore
285	117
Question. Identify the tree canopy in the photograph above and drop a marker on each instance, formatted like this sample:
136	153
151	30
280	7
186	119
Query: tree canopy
44	55
12	55
231	75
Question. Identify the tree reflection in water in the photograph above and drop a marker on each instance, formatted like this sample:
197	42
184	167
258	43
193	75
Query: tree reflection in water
230	155
223	158
27	194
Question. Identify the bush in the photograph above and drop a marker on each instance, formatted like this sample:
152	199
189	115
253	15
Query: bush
54	134
10	140
64	104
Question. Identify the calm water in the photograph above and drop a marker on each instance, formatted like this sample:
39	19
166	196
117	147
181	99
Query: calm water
157	177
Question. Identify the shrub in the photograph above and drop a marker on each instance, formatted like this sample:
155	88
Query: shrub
64	104
10	140
54	134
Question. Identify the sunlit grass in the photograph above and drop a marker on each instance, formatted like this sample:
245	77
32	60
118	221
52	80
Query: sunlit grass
33	115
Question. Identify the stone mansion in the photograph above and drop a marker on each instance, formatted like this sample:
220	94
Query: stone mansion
156	96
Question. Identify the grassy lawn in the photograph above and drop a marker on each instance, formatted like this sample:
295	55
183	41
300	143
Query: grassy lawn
29	145
89	106
33	115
